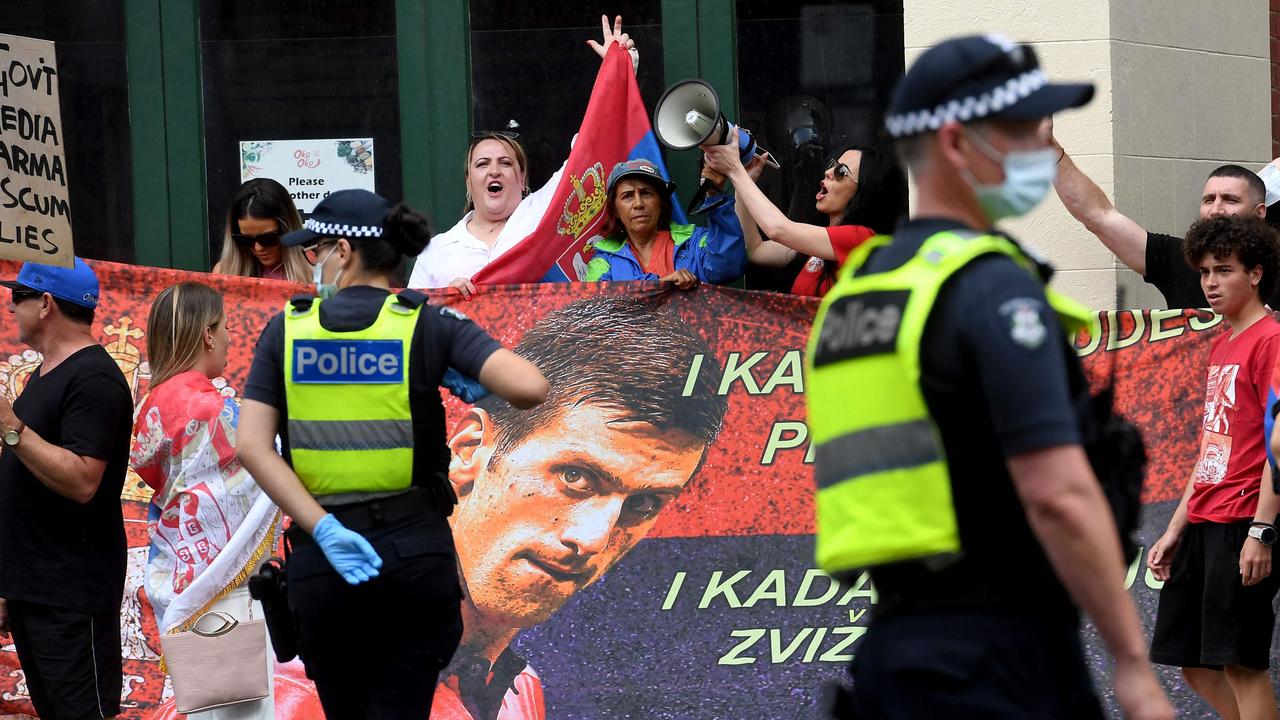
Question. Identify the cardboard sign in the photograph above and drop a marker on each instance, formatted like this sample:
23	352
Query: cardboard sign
35	209
309	169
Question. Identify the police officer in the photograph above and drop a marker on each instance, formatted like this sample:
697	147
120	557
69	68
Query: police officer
350	381
949	456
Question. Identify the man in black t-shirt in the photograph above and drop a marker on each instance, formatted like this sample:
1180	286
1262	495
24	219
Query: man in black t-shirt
1158	258
62	540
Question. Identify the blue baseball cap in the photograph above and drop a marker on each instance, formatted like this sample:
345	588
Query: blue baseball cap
77	285
639	168
346	213
973	78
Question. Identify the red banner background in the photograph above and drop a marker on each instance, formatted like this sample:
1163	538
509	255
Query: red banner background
754	488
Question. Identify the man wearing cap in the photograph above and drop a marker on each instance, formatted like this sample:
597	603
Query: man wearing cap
1158	258
948	451
62	540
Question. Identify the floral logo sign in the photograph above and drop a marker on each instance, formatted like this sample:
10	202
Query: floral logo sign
251	154
358	154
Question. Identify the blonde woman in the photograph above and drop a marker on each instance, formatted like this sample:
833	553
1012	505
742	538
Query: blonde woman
261	212
210	525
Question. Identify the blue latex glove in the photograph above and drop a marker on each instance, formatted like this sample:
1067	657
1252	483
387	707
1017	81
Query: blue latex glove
463	387
348	552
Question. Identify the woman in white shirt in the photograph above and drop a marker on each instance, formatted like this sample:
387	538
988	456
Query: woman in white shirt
500	209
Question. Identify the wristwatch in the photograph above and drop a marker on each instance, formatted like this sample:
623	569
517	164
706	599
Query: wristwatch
1262	532
11	437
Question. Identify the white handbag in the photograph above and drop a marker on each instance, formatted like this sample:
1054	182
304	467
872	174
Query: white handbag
225	665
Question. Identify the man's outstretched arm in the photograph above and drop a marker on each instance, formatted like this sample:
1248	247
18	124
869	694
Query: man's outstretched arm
1087	203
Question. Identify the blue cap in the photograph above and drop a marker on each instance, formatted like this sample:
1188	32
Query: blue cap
973	78
346	213
77	285
639	168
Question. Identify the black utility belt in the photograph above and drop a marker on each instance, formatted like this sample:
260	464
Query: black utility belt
372	514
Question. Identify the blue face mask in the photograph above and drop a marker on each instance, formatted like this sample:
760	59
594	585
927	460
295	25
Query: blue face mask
1028	175
325	290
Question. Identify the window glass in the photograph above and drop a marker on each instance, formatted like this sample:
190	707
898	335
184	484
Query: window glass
284	70
531	65
94	94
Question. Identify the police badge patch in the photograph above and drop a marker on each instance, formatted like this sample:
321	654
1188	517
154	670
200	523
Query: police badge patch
450	312
1025	326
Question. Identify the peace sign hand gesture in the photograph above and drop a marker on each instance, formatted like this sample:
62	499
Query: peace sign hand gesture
615	35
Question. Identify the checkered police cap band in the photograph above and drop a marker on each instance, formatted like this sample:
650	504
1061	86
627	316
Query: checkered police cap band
974	107
336	230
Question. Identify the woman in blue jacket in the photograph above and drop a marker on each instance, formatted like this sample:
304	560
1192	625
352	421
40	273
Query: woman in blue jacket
641	243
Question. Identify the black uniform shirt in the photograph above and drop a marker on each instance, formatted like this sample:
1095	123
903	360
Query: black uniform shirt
995	370
443	338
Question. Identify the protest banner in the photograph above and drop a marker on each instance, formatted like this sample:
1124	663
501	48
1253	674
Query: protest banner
708	604
35	210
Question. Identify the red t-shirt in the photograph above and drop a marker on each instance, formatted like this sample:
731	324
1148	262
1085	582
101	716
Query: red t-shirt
844	238
1228	473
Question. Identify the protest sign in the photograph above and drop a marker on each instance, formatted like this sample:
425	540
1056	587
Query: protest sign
35	210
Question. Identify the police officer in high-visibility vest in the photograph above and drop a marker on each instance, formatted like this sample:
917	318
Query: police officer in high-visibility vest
949	462
350	380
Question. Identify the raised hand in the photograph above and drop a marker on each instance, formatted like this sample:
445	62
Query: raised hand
615	35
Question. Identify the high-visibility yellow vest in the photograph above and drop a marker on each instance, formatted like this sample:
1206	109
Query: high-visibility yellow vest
350	425
884	490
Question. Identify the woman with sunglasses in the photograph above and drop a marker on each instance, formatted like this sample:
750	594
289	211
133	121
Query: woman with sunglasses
862	193
350	381
261	212
500	211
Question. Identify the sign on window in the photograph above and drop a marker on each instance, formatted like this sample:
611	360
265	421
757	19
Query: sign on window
309	169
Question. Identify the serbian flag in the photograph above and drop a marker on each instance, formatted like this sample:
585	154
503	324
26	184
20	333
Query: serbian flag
615	128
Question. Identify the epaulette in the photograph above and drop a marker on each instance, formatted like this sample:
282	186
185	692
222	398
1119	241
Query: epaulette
411	298
301	302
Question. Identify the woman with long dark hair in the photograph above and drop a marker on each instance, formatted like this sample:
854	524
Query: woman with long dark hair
862	193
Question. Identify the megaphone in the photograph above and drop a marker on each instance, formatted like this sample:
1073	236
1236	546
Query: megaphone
688	115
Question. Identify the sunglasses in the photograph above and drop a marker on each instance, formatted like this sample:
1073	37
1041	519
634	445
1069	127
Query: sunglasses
312	251
842	171
266	239
24	295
